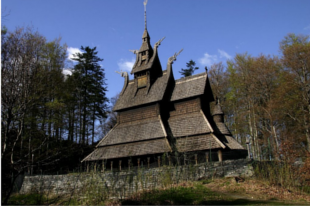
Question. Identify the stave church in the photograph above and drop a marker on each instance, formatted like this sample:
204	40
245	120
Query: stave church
160	116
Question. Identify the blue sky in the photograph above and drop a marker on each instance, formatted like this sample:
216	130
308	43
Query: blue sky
209	31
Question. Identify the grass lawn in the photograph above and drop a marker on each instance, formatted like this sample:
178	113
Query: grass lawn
207	192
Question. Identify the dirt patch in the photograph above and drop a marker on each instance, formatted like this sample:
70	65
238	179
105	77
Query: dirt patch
252	189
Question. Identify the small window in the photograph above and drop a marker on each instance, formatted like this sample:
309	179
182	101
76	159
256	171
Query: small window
142	81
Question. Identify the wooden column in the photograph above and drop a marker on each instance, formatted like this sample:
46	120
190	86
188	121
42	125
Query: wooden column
32	164
207	156
148	162
138	163
120	165
103	165
87	167
111	165
196	161
220	155
158	160
169	159
95	166
129	164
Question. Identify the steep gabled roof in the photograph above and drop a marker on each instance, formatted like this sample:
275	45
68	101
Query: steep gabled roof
189	86
134	131
222	128
196	143
130	99
189	124
156	146
230	142
217	109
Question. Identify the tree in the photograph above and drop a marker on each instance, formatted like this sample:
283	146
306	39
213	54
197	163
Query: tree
111	119
24	73
296	59
90	91
190	69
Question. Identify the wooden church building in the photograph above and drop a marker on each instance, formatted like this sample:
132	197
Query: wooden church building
158	115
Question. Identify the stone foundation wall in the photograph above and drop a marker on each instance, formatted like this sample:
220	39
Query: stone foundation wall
122	184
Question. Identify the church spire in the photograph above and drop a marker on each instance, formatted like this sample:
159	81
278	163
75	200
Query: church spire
145	2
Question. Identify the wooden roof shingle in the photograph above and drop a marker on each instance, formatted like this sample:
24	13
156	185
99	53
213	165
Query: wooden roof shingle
188	124
129	150
196	143
134	131
231	142
223	128
189	86
130	99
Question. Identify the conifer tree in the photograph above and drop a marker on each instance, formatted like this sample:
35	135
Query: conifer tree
91	91
190	69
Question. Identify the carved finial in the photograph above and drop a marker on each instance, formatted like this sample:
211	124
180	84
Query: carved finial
174	57
206	68
144	3
134	51
123	74
159	42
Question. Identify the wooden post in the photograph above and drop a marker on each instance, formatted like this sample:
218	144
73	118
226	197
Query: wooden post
32	165
103	165
87	169
95	166
220	155
111	166
207	156
196	159
169	159
129	164
158	161
138	163
148	162
120	165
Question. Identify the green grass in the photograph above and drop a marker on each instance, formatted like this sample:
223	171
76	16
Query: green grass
27	199
195	195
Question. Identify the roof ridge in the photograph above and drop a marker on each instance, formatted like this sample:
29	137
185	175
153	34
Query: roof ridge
191	77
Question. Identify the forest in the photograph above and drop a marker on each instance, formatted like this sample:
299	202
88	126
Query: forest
50	121
266	99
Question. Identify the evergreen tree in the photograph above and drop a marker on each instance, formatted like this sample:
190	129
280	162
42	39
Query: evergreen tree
91	91
190	69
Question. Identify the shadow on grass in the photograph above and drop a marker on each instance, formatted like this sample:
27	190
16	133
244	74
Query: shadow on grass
206	202
196	195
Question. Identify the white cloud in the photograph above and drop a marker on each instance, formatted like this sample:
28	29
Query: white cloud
307	27
126	65
208	59
224	54
67	72
71	51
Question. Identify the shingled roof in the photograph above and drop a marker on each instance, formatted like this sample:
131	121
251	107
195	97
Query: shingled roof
189	86
230	142
222	128
129	99
156	146
189	124
134	131
217	109
196	143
